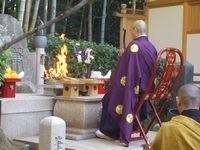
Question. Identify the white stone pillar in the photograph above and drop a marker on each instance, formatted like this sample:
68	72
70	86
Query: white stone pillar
40	42
52	133
40	58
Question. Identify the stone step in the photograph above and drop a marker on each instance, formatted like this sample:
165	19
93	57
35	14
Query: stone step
32	141
91	144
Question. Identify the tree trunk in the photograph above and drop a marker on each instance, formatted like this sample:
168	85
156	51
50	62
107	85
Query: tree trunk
3	7
21	12
53	15
35	15
103	21
90	23
60	17
81	24
45	13
27	15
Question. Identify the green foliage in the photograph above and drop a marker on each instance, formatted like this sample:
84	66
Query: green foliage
5	60
165	113
76	26
105	55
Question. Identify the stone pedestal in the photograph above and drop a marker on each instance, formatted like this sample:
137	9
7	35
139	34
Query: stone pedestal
81	114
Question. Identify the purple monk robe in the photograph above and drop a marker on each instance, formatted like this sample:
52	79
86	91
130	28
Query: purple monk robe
128	82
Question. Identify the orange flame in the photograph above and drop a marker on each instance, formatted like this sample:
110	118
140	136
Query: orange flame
60	70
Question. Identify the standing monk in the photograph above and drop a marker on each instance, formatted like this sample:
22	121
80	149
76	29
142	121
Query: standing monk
128	83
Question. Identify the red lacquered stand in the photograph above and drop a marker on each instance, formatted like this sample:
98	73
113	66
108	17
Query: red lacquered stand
102	86
8	89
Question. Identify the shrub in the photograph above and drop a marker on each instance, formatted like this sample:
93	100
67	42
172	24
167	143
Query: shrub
105	55
5	60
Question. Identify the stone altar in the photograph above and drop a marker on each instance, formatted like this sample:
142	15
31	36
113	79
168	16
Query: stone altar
20	116
81	114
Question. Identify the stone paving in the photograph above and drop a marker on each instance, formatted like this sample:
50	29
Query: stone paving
93	144
101	144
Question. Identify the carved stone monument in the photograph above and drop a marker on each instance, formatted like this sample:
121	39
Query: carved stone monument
10	29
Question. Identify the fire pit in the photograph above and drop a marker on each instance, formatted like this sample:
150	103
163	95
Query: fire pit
71	87
91	85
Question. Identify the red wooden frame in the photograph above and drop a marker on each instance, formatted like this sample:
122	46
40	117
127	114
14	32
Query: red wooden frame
171	72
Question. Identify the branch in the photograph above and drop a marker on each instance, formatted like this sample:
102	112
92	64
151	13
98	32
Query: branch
60	17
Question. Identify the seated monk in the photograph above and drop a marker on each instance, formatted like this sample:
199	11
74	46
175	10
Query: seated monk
182	132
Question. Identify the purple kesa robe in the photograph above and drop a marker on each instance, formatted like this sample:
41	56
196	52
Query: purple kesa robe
127	84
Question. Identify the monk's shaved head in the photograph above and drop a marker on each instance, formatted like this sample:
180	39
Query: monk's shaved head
189	95
140	25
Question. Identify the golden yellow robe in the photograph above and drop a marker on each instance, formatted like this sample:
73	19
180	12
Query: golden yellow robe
180	133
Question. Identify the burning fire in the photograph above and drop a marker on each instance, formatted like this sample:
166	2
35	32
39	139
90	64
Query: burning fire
60	70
